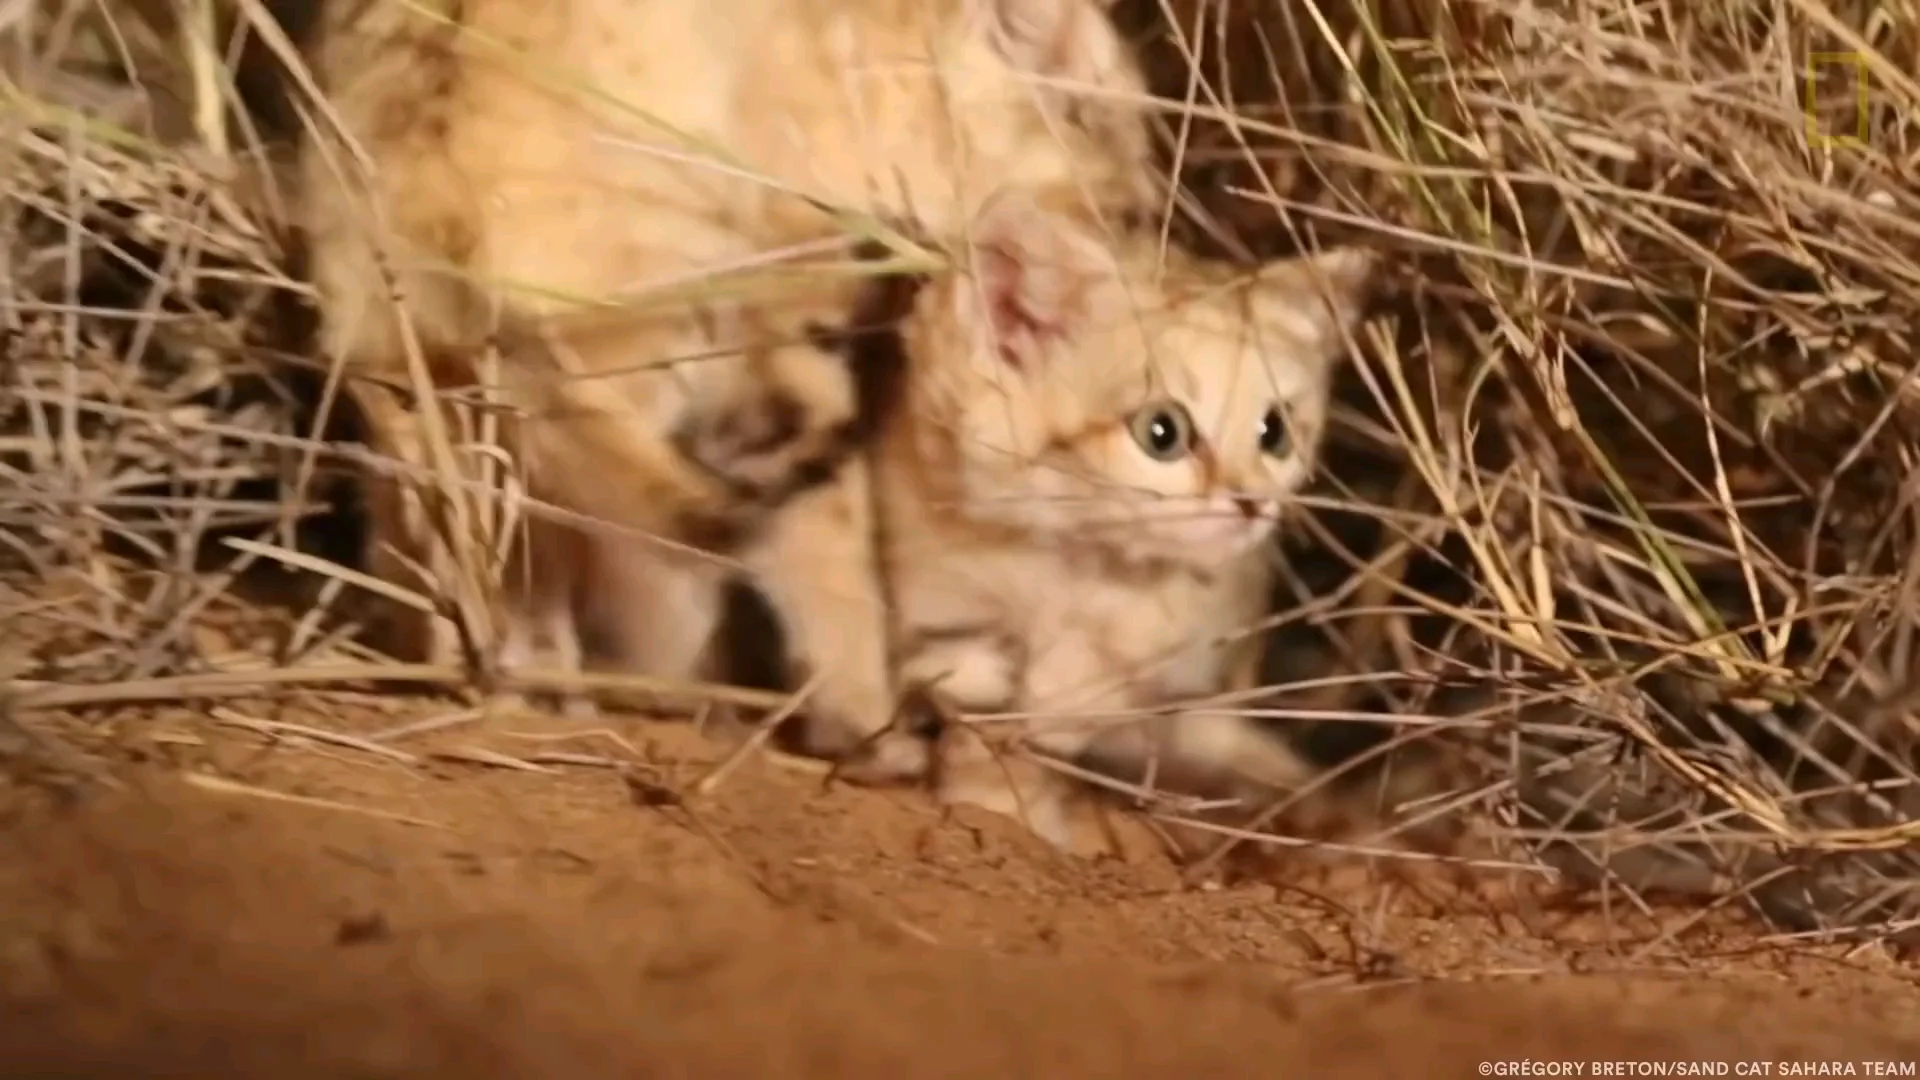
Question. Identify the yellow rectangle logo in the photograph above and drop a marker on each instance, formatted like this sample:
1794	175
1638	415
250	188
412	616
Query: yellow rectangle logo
1816	63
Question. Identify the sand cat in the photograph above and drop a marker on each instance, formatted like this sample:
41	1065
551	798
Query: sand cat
553	189
1089	452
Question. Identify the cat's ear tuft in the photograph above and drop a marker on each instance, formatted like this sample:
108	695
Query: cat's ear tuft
1066	38
1033	274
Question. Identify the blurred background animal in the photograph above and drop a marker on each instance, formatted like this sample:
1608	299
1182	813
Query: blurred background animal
595	234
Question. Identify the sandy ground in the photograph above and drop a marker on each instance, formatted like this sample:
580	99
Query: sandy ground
430	918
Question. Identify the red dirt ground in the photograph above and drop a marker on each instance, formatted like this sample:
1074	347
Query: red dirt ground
579	923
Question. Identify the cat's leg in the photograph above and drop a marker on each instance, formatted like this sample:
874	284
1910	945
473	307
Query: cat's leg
974	668
540	626
1210	754
604	438
817	565
1136	730
1007	781
532	596
1211	748
655	612
972	770
1207	749
606	430
971	667
786	434
403	547
1075	706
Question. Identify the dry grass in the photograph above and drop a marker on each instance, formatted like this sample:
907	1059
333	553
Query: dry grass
1620	508
1628	472
148	400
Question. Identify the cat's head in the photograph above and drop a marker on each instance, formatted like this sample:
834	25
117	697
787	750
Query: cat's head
1018	74
1083	389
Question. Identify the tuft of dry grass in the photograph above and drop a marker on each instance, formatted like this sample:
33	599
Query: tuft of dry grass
148	397
1625	488
1616	547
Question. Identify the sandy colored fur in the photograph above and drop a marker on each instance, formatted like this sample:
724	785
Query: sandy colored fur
581	192
1040	561
527	144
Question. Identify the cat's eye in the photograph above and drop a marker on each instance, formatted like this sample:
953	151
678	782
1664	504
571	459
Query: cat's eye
1164	430
1275	439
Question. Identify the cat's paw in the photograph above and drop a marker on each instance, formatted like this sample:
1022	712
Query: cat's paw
1018	787
552	645
972	674
575	707
869	747
579	708
1043	814
856	723
410	635
892	759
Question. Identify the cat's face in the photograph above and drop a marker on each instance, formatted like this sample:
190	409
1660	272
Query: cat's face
1205	423
1161	416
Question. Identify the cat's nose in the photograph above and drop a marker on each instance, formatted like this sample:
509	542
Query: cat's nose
1249	508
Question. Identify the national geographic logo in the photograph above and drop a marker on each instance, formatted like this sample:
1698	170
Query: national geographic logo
1824	64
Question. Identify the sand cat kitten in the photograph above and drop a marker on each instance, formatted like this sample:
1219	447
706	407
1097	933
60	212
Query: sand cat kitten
1076	484
528	156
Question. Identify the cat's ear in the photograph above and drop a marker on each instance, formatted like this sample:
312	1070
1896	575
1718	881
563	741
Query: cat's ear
1322	297
1034	278
1064	38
